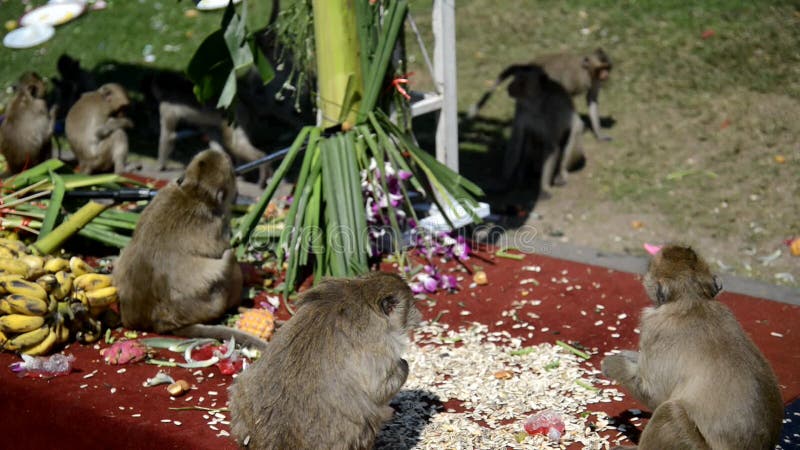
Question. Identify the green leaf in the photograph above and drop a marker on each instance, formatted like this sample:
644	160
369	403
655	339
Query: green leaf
210	67
54	207
250	219
351	95
228	92
261	63
238	49
32	175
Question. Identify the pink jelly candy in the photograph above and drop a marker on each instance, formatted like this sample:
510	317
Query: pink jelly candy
547	422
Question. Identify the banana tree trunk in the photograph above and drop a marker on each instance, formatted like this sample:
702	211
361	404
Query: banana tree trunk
338	60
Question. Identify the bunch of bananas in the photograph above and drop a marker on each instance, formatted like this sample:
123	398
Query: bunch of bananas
47	301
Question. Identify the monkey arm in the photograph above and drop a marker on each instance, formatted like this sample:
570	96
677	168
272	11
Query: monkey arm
594	115
112	124
624	369
395	378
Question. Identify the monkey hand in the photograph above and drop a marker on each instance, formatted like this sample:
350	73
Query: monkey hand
622	366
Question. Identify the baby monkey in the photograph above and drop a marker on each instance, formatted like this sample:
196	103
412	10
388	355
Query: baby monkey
326	378
708	385
179	272
28	127
95	129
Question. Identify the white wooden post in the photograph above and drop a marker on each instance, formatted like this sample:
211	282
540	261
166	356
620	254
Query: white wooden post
444	66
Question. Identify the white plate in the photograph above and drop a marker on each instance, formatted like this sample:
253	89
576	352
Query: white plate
53	14
24	37
207	5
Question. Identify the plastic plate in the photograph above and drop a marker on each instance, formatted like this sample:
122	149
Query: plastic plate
24	37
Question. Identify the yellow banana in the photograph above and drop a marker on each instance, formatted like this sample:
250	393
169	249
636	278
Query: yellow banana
48	282
54	265
90	335
26	288
13	266
27	339
101	297
6	252
14	245
62	332
92	281
35	263
20	323
64	287
79	267
3	339
6	277
43	347
20	304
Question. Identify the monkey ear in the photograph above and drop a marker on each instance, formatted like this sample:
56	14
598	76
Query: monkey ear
586	63
220	196
717	286
661	293
388	304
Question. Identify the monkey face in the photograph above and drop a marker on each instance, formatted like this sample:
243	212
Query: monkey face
33	83
115	95
374	295
393	298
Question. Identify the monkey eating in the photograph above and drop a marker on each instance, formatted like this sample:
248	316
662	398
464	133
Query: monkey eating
326	378
578	74
179	271
95	129
26	132
545	130
707	383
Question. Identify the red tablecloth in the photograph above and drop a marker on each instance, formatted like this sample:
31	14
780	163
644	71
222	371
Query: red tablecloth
102	406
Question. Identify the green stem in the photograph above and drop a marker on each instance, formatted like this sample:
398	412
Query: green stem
68	227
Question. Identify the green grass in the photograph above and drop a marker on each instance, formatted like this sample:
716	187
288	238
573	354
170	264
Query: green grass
119	34
728	103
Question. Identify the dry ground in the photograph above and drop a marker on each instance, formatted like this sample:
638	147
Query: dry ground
699	124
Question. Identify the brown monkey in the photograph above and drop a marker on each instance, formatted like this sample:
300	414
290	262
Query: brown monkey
579	74
326	378
708	385
25	134
95	129
178	105
545	130
179	271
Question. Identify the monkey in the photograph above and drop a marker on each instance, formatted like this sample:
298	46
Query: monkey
545	130
26	132
95	129
326	378
707	383
178	105
179	271
579	74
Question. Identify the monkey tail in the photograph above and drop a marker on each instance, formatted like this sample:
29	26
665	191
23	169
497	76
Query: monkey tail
508	72
221	333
